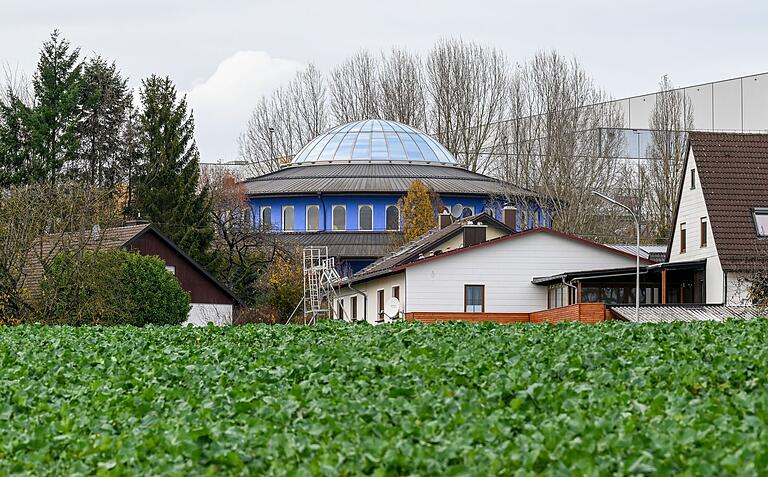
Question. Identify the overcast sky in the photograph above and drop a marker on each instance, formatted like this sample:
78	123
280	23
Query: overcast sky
228	53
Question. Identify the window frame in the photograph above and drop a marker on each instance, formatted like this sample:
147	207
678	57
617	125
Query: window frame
359	212
306	218
703	232
761	211
262	209
333	214
467	286
693	179
282	216
340	308
683	237
396	291
353	306
386	218
471	210
380	304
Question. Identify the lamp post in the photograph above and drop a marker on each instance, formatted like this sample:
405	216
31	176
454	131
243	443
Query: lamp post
271	146
637	250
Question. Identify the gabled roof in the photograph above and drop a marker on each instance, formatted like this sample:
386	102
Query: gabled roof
411	250
733	175
112	238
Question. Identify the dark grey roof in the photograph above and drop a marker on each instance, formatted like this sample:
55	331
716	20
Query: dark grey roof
348	245
378	178
672	313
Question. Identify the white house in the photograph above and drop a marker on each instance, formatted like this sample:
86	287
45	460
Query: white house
474	266
721	219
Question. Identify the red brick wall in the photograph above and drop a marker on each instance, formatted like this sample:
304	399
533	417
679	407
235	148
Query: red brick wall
584	312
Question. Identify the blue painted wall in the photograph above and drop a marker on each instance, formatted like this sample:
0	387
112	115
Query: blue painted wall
535	216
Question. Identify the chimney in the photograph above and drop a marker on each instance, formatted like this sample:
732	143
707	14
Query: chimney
474	234
445	219
509	216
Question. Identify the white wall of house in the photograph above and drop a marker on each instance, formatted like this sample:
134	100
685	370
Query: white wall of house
737	289
203	313
692	209
506	268
371	288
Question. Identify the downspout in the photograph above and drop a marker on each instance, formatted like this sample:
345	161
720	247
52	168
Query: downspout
365	300
322	201
575	290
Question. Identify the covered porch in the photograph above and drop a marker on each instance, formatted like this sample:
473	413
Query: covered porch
660	284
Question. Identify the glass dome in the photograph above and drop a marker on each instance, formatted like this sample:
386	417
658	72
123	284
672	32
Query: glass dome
373	140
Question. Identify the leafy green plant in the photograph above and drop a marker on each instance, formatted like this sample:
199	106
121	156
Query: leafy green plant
401	399
113	287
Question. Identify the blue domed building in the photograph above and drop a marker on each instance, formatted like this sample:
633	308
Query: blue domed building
342	190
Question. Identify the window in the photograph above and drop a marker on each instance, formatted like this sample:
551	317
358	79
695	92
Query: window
761	221
490	212
396	292
288	217
339	218
467	212
170	269
380	304
365	217
474	298
682	238
704	231
340	309
693	178
266	217
523	217
247	219
353	305
393	217
313	218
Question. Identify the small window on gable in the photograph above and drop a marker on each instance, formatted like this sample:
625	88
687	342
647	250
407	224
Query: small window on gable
761	221
683	241
693	178
704	228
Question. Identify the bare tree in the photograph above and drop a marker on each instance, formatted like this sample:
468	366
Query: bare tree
401	85
467	85
562	144
671	117
284	121
354	92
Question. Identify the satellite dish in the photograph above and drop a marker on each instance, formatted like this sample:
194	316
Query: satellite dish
456	211
392	308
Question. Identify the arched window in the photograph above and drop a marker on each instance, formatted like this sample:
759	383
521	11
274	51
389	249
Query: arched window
288	218
467	212
313	218
365	217
247	219
339	218
266	217
393	217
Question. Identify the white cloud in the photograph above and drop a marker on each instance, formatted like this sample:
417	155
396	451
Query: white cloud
223	102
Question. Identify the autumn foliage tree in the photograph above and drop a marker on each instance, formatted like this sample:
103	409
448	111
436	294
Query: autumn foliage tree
418	211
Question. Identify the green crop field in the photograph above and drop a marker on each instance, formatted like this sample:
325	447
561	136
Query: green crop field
334	399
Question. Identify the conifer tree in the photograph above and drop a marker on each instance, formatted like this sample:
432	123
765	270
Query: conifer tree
105	103
417	211
166	190
54	120
15	141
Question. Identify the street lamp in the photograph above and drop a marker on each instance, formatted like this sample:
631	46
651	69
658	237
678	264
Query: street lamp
271	146
637	250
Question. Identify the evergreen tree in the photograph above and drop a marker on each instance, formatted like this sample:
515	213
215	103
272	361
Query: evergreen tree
15	141
105	102
54	120
166	190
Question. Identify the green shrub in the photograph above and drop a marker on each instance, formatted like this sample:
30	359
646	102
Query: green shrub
112	287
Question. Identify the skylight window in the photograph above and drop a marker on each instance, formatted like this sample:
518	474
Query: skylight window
761	221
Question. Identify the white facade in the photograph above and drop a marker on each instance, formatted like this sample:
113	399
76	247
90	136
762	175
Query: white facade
506	269
691	211
736	104
201	314
367	296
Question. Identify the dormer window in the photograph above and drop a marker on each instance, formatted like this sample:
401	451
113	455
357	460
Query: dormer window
761	221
